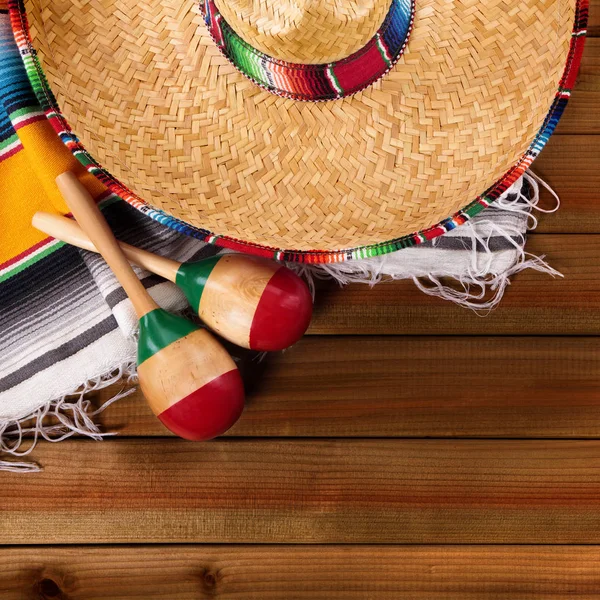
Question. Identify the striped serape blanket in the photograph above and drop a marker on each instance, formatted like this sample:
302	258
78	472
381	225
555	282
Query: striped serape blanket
66	327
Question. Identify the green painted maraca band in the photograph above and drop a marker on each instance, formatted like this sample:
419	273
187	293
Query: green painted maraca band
193	283
158	329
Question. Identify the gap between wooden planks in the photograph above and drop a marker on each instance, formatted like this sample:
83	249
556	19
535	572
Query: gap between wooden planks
301	573
408	387
306	491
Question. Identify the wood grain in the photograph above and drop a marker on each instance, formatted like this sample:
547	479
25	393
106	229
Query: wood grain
582	114
534	304
232	293
570	164
307	491
594	19
301	573
404	387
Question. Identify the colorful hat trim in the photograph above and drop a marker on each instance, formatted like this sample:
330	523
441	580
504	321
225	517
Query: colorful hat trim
316	82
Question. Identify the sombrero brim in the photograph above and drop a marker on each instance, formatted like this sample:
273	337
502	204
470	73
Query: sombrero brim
459	118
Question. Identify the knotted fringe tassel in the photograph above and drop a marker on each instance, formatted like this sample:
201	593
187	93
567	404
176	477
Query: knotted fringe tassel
478	287
74	414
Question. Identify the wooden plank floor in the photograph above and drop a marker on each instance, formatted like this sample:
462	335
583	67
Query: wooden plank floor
303	572
406	449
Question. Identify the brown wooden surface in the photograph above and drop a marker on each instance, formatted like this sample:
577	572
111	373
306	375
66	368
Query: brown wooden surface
594	19
569	163
543	387
430	370
301	573
307	491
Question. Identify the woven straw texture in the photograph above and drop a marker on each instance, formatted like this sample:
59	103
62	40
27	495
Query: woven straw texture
153	100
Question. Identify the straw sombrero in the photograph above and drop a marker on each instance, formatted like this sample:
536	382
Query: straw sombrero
311	130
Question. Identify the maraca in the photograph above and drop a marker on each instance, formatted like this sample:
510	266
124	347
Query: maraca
187	377
253	302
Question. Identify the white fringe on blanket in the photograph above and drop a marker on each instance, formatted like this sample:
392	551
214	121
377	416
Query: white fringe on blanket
74	414
478	284
476	279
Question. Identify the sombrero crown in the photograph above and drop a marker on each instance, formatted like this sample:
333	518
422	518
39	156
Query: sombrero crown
309	127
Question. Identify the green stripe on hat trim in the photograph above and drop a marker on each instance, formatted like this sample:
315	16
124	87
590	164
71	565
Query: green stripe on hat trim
159	329
192	277
383	51
334	80
85	160
475	209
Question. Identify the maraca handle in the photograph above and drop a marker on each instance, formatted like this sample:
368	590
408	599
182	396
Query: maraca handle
87	213
67	230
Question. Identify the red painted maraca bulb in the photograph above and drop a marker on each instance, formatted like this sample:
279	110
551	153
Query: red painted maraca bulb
283	313
209	411
189	380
